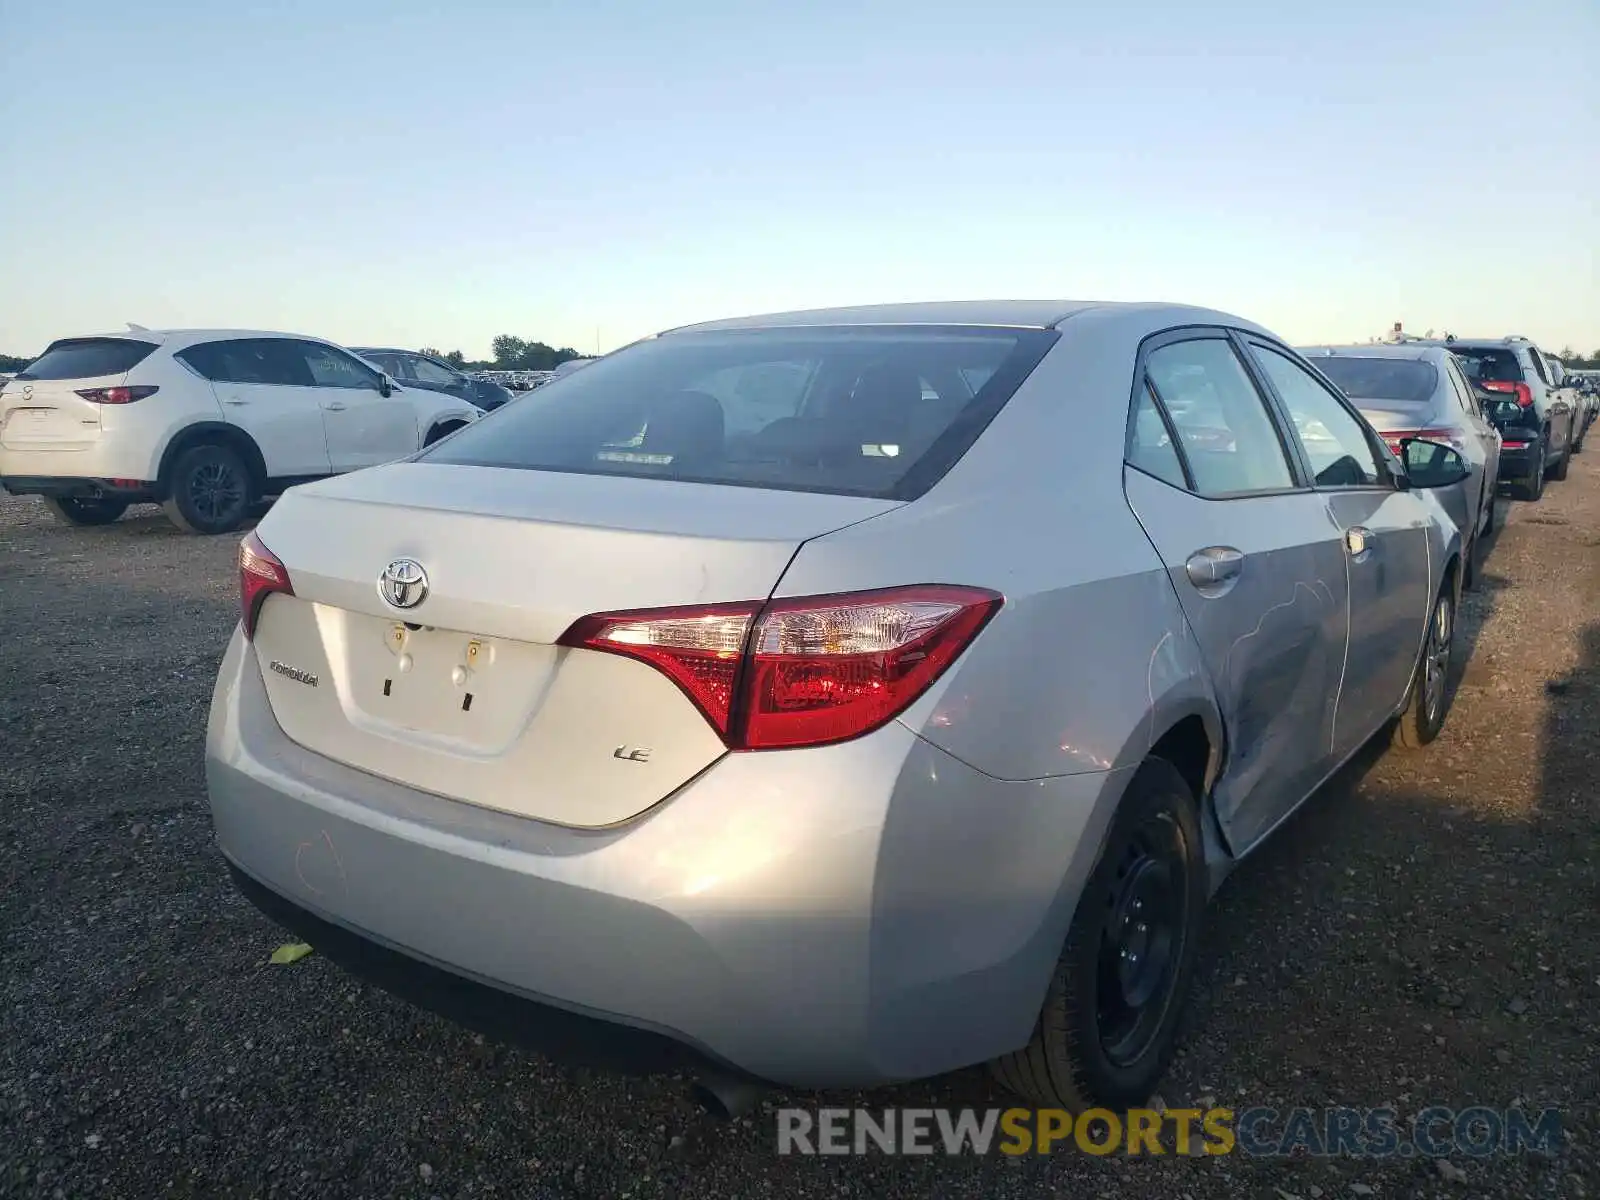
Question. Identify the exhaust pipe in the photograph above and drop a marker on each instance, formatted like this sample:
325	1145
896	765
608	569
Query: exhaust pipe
724	1097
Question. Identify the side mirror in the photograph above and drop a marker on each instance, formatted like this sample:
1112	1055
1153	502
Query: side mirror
1433	465
385	385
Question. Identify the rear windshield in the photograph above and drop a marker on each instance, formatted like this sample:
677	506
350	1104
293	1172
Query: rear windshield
881	412
87	358
1488	364
1407	380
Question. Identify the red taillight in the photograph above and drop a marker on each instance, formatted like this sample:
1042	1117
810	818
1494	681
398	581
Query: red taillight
800	672
117	395
699	649
1522	391
260	574
1508	444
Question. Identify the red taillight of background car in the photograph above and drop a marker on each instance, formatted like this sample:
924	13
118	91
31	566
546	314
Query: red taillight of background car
800	672
1522	391
260	574
117	395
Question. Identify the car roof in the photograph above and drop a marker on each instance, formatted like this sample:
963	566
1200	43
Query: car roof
178	338
1499	343
1427	352
1008	314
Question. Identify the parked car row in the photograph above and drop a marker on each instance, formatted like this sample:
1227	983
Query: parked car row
412	368
851	696
204	422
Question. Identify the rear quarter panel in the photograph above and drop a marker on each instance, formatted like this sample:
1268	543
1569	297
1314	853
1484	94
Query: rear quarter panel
1089	660
148	427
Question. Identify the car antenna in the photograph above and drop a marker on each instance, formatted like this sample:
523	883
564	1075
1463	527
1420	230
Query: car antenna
132	328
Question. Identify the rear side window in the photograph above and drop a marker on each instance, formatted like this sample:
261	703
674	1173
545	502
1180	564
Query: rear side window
271	361
87	358
1538	364
1409	381
1150	445
864	411
1488	364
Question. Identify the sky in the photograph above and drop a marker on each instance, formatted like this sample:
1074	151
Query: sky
408	173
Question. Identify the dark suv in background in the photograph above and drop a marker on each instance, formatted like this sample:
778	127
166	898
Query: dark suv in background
408	368
1537	418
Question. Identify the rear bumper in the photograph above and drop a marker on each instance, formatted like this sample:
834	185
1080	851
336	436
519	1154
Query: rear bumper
1516	462
849	915
133	491
554	1032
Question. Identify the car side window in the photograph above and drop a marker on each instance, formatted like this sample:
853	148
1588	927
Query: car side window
1458	384
1334	439
1150	445
333	368
206	358
394	364
248	360
1538	364
1227	436
427	371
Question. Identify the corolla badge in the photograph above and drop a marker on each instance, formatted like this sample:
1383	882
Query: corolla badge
403	583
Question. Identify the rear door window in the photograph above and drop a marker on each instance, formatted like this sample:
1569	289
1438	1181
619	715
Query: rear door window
87	358
1227	437
867	411
262	361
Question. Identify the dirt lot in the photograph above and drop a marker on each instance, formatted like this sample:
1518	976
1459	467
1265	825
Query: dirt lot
1423	932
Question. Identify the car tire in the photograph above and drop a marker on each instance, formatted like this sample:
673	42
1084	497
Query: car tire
1429	699
1532	487
1559	471
76	510
210	490
1080	1055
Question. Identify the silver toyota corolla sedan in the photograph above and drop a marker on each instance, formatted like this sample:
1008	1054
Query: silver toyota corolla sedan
835	697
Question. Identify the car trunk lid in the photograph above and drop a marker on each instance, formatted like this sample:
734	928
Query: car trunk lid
48	414
44	407
466	694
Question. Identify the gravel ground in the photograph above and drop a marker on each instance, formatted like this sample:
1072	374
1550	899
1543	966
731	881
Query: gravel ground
1423	931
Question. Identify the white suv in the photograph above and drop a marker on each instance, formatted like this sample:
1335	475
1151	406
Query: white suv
203	422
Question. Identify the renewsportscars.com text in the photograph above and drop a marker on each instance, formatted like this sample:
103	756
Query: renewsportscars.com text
1434	1132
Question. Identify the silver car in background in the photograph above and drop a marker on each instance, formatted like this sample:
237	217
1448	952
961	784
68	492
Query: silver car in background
833	697
1419	391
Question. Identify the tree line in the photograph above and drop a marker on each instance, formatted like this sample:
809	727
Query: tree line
512	353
